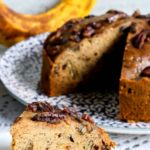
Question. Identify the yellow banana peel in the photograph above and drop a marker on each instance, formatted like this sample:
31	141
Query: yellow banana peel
15	27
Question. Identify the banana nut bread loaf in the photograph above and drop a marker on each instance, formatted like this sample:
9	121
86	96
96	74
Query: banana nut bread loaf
102	48
72	53
134	97
43	127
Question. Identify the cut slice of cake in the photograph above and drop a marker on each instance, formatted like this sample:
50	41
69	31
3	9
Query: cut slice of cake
134	94
96	50
72	53
43	127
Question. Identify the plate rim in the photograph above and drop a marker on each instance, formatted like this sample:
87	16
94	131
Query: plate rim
116	130
108	129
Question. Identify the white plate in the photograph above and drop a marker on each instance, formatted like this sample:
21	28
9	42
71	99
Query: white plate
20	69
5	139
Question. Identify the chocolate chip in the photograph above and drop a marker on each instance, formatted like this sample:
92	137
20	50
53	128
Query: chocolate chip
139	40
64	66
145	72
71	138
88	31
96	147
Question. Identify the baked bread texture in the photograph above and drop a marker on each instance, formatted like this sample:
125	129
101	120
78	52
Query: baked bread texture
43	127
109	51
72	53
134	94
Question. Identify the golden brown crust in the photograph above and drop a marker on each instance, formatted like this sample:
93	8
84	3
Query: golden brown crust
45	75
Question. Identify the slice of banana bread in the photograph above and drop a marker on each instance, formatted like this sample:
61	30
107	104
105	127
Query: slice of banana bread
134	97
71	54
43	127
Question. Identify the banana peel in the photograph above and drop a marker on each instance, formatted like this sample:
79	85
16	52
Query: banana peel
15	27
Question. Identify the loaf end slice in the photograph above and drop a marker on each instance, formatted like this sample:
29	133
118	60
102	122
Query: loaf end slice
44	127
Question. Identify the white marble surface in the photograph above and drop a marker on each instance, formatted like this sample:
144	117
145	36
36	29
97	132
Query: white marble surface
12	108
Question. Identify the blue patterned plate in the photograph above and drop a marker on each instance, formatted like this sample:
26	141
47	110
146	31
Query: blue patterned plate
20	69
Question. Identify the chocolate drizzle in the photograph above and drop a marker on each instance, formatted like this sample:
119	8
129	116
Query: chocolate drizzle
52	114
139	39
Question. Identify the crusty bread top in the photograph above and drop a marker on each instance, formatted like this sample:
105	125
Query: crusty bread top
44	112
72	32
